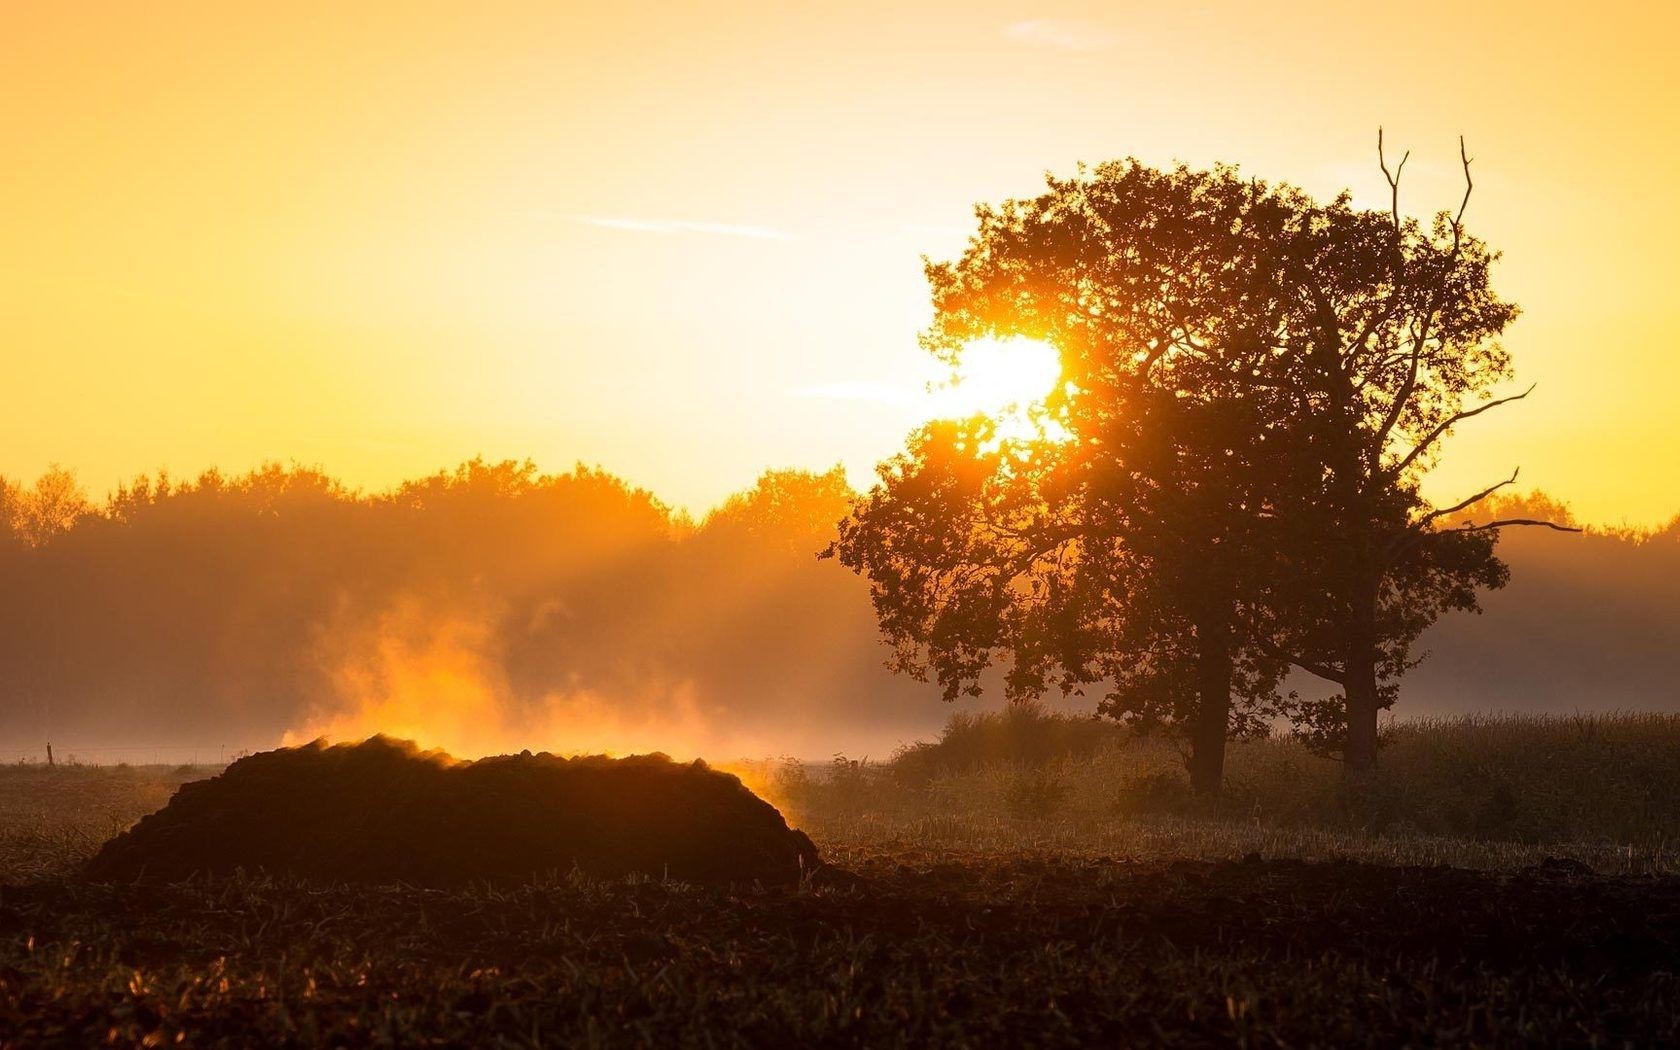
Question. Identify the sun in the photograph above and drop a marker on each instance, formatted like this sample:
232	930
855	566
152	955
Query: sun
997	376
1003	378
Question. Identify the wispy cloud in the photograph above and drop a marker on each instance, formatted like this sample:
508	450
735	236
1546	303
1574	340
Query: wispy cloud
1059	33
858	390
717	229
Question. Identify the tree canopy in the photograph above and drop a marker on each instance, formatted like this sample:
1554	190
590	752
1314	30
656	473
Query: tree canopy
1226	480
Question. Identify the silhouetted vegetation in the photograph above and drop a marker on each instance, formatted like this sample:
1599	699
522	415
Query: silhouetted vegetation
1019	736
1603	786
231	610
1227	479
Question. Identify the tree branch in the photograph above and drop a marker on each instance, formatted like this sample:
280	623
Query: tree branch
1394	179
1508	522
1398	407
1327	672
1471	502
1420	335
1447	424
1414	539
1469	185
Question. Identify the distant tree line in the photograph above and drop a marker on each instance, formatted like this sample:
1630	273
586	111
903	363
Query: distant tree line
229	608
222	609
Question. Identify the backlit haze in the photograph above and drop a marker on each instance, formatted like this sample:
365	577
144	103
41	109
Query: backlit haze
682	241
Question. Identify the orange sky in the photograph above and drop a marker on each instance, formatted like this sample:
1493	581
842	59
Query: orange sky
682	240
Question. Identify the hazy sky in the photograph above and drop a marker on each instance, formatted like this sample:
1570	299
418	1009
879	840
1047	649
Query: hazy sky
682	240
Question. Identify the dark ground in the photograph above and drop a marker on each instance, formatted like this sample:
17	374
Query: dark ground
947	948
382	811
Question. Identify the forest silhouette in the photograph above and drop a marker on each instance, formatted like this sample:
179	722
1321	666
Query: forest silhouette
586	613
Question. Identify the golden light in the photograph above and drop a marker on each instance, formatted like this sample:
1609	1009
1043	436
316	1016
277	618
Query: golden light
1006	379
999	377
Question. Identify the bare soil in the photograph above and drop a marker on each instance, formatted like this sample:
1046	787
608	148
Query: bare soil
928	948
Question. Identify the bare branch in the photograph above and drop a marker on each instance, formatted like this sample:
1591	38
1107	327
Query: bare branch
1420	332
1447	424
1472	501
1469	185
1509	522
1397	267
1393	179
1379	440
1416	538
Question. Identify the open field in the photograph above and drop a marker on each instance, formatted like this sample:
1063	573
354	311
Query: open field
53	818
938	948
1482	792
987	915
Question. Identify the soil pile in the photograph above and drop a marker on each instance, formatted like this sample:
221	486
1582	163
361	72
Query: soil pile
382	811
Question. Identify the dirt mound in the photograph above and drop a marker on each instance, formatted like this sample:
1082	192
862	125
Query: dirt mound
383	811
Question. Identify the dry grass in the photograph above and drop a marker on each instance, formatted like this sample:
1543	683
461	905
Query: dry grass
54	817
1476	792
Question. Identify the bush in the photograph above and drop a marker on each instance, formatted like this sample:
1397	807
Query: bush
1023	735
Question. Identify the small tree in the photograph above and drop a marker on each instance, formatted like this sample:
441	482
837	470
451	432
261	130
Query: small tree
11	514
51	507
1393	342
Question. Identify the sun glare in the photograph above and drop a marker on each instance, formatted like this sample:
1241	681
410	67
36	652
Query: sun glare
1003	378
999	377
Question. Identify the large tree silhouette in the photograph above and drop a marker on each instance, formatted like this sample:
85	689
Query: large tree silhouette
1254	383
1131	551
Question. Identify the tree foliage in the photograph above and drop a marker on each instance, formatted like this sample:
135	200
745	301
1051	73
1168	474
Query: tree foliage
1227	480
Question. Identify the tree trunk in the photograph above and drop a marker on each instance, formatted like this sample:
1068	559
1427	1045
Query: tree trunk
1213	707
1359	752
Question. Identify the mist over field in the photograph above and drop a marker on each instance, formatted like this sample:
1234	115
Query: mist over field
1587	623
495	608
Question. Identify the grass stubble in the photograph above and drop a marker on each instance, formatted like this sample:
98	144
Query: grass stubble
990	913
